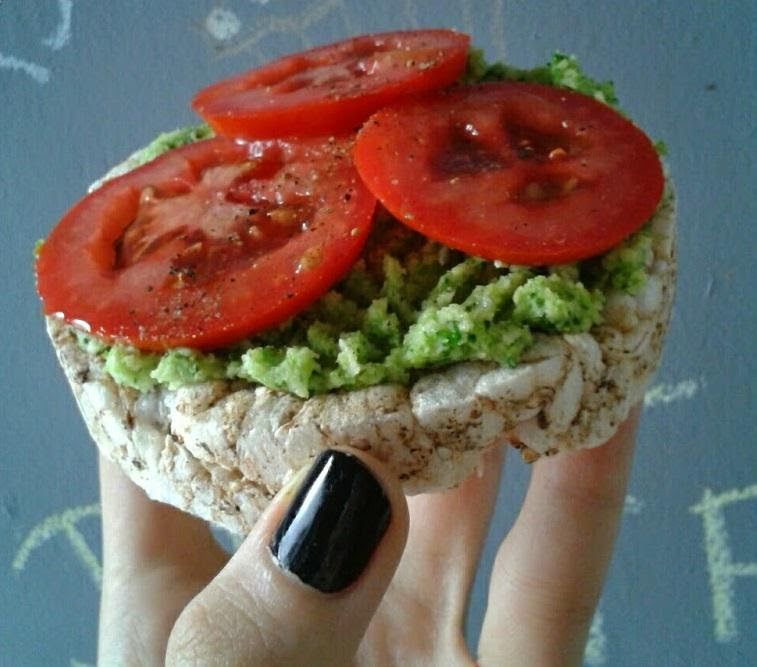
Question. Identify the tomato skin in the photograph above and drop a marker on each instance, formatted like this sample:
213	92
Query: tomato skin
332	88
517	172
192	250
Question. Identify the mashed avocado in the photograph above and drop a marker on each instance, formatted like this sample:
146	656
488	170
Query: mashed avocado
408	304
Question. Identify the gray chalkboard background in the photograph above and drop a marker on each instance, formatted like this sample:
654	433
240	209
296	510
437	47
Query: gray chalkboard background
83	83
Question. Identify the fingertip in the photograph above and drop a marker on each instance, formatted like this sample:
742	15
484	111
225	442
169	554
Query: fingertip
394	536
392	488
347	513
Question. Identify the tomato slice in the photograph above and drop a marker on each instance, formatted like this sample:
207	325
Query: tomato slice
522	173
208	243
332	88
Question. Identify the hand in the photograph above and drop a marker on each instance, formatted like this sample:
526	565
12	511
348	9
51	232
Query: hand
402	570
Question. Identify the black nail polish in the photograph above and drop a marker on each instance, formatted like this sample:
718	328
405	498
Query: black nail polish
334	523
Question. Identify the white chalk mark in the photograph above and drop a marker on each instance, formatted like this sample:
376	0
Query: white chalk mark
65	523
284	25
633	505
498	29
722	570
40	74
62	33
222	24
76	663
596	645
262	3
662	394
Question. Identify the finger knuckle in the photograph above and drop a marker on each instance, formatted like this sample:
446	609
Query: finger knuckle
224	626
589	495
193	636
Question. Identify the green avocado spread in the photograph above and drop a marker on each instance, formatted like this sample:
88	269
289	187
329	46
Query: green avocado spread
408	304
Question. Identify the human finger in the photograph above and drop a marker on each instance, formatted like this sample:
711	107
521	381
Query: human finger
549	571
155	559
304	585
423	611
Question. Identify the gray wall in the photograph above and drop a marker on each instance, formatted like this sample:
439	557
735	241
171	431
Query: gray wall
83	83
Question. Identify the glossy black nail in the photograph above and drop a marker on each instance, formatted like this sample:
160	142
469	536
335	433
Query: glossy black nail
334	523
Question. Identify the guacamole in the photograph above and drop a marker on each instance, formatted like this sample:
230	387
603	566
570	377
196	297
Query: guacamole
408	304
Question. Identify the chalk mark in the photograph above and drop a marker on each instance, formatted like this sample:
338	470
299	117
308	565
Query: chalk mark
222	24
62	33
633	505
721	568
285	25
63	523
40	74
596	645
595	652
664	393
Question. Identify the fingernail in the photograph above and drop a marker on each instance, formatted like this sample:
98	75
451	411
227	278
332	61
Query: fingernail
334	523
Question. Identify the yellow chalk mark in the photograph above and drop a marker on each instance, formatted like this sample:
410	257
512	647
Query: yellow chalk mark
710	501
722	570
744	569
63	523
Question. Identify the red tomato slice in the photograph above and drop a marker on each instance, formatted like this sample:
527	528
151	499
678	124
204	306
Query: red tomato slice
522	173
332	88
208	243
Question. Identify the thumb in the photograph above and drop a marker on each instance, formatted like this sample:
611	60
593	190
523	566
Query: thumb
306	582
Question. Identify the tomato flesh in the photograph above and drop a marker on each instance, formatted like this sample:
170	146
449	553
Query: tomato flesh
208	243
516	172
332	88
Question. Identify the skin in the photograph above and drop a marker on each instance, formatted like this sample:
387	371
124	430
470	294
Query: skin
171	595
